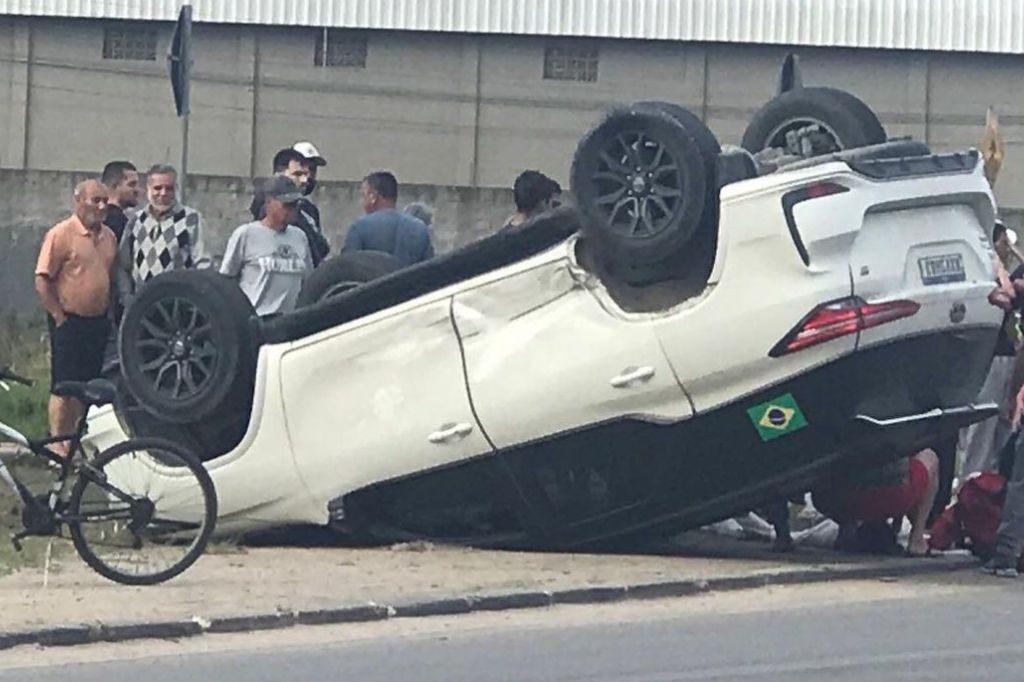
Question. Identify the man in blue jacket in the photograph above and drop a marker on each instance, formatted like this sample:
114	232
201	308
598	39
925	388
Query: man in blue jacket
384	228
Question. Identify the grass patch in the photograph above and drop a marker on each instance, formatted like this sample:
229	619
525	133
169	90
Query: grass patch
24	347
33	553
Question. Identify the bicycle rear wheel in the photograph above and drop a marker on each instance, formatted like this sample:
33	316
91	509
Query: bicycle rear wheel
142	511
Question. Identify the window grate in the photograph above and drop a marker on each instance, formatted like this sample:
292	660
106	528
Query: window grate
340	48
571	63
130	43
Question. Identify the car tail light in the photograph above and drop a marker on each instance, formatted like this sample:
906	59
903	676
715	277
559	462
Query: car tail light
841	318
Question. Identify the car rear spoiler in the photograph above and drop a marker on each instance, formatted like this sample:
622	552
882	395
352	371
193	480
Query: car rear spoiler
897	159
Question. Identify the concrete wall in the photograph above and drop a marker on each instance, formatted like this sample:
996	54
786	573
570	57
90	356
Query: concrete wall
445	112
443	109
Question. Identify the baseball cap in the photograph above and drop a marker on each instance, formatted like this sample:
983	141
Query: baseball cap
310	152
283	189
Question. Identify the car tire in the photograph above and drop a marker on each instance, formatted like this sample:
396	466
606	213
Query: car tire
702	135
640	182
345	272
187	349
842	120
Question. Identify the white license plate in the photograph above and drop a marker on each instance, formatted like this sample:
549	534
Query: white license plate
942	269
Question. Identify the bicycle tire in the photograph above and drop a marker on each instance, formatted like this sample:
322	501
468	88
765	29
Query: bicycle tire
209	511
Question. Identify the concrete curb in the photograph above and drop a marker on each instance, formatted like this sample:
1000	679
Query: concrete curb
174	629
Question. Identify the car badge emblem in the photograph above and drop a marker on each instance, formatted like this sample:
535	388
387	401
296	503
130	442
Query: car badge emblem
957	313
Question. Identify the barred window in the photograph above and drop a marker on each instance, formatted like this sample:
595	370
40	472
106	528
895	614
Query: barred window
571	63
340	48
129	43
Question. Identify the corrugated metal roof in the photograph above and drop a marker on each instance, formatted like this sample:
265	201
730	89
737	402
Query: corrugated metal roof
944	25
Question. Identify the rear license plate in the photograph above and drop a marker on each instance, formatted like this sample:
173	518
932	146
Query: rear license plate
942	269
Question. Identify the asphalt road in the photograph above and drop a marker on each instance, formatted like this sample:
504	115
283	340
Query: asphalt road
861	631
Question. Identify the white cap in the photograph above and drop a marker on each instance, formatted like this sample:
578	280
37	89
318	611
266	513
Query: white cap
310	152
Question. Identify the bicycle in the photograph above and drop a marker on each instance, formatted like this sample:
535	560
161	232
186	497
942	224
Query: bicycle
142	494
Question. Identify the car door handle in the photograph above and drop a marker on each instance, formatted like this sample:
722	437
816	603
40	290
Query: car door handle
449	432
632	375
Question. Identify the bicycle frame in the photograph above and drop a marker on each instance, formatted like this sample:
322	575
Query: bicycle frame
39	449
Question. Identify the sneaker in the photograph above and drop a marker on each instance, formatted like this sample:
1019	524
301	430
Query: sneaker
1001	568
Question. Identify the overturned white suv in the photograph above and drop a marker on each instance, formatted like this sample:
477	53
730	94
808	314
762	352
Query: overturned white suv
695	336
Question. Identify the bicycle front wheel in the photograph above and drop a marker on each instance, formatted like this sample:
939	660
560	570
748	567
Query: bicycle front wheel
142	511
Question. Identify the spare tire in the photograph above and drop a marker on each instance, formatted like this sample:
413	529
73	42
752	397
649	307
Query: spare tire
187	349
345	272
810	122
639	181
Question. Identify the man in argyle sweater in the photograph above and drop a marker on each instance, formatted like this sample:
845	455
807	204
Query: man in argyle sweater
163	236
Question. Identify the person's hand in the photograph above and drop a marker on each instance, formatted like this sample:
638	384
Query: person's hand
992	147
59	319
1000	299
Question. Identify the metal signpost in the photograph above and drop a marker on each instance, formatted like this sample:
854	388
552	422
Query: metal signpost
180	62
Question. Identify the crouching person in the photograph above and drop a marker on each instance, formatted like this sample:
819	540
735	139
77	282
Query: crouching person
904	487
270	257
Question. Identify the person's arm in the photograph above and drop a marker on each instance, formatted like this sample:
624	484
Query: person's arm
234	254
47	291
48	266
114	295
309	265
993	147
314	213
321	248
125	262
1015	406
197	249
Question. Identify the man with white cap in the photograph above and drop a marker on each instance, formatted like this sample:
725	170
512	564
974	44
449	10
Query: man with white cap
299	163
316	160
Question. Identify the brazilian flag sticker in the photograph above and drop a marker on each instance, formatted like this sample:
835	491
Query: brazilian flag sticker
778	417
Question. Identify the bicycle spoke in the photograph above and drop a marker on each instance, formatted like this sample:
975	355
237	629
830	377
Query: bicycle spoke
141	516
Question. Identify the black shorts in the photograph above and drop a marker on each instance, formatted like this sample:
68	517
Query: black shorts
76	348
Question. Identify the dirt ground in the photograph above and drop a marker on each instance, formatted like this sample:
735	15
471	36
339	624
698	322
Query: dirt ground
48	585
260	580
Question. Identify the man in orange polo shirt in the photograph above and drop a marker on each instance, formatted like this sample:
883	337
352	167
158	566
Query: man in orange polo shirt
73	276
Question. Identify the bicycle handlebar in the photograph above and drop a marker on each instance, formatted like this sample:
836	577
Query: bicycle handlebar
7	374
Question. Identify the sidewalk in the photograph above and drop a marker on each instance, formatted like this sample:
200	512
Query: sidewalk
280	586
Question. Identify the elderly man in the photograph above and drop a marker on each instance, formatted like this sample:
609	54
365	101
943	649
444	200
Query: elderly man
163	236
270	257
73	277
421	212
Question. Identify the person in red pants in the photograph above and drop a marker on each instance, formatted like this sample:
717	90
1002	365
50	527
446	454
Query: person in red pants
904	487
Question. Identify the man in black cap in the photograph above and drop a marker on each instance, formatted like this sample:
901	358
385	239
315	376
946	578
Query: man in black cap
270	257
300	163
